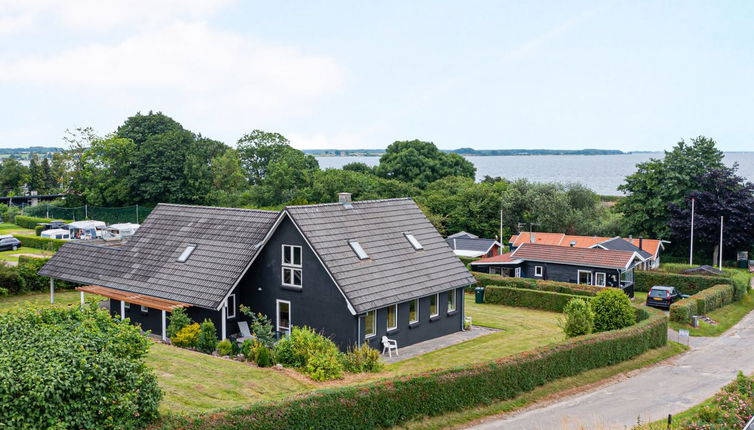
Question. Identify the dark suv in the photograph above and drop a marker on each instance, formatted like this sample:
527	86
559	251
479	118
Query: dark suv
8	243
662	297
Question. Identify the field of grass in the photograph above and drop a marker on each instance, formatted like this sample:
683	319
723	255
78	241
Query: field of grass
726	317
193	382
38	299
13	255
520	330
8	228
547	391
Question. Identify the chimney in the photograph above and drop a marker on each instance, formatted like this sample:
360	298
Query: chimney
345	199
532	238
573	243
641	243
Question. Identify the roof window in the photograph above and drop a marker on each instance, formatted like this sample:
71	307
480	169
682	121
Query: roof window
356	246
186	253
413	241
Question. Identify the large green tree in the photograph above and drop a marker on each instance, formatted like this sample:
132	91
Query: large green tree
13	177
326	184
657	183
108	166
421	163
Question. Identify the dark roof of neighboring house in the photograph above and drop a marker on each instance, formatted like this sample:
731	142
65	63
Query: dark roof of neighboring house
705	270
226	241
481	245
592	257
463	234
620	244
394	272
498	259
652	246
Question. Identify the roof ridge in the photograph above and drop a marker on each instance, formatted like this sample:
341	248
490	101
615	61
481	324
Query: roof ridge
353	202
217	207
573	247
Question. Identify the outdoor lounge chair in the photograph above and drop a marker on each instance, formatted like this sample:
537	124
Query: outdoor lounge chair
389	345
243	327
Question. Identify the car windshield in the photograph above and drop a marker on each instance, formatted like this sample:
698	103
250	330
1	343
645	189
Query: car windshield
658	293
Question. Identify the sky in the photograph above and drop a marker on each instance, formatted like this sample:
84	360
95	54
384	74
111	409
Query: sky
629	75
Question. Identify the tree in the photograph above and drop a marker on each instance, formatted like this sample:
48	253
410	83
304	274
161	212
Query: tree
358	167
326	184
13	177
720	192
421	163
612	310
139	128
106	173
36	175
660	182
48	177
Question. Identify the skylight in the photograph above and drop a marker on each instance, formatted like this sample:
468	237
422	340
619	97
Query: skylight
186	253
356	246
412	240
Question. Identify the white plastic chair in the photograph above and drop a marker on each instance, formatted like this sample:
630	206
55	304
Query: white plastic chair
243	327
389	345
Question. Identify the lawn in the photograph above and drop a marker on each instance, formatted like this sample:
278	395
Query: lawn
521	330
193	382
8	228
13	255
726	317
37	299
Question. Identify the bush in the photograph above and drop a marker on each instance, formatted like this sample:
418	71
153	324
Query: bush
578	318
311	352
682	310
260	326
263	356
396	401
535	284
187	337
178	319
29	221
45	243
71	368
741	281
39	229
224	348
702	302
544	300
730	408
361	359
612	310
10	280
9	213
686	284
247	350
4	292
207	341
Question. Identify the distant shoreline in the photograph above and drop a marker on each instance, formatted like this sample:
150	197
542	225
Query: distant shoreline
474	152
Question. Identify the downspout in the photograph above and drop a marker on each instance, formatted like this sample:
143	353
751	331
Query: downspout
463	309
358	330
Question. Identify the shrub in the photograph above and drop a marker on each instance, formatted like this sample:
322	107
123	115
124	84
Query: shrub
39	229
536	284
207	341
178	319
730	408
45	243
686	284
361	359
544	300
187	337
310	351
263	356
9	213
247	349
74	368
29	221
702	302
396	401
9	279
741	281
612	310
28	268
260	326
682	310
3	292
578	318
224	347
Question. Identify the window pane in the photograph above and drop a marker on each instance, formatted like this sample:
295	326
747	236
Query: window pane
297	277
412	310
287	276
286	254
451	301
369	324
433	305
284	316
297	255
392	317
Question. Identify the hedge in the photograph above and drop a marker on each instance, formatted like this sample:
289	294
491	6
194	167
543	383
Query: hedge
38	230
686	284
524	298
45	243
30	221
702	302
535	284
396	401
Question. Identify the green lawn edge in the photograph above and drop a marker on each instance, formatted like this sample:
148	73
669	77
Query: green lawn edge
456	419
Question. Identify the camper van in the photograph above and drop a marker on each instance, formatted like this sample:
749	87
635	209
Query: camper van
56	233
120	231
86	230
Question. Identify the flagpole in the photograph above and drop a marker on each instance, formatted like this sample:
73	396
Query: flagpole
691	252
720	263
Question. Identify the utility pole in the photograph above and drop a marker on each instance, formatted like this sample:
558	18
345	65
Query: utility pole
501	231
720	263
691	253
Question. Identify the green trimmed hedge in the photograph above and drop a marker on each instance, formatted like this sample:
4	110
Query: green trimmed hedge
533	299
686	284
38	230
29	221
45	243
702	302
396	401
535	284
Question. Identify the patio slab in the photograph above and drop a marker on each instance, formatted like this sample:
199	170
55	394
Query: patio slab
421	348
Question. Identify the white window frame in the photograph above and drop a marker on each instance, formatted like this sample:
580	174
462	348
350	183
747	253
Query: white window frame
539	271
230	308
292	267
387	319
517	272
604	279
578	276
144	309
373	327
277	316
452	299
437	306
416	311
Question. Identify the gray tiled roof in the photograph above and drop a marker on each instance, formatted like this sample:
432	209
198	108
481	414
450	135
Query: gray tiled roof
620	244
147	263
467	244
395	272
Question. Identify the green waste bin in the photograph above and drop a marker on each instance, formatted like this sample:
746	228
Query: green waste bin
479	294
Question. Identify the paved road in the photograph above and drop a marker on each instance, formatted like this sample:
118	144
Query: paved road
668	388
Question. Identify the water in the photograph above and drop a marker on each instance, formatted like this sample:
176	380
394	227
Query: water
601	173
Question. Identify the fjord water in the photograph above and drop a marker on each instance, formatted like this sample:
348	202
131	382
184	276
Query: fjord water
601	173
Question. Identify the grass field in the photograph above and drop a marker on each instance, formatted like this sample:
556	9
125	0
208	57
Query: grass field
37	299
13	255
726	317
8	228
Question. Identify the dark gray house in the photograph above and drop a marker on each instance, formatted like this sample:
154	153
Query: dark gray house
466	244
590	266
354	270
